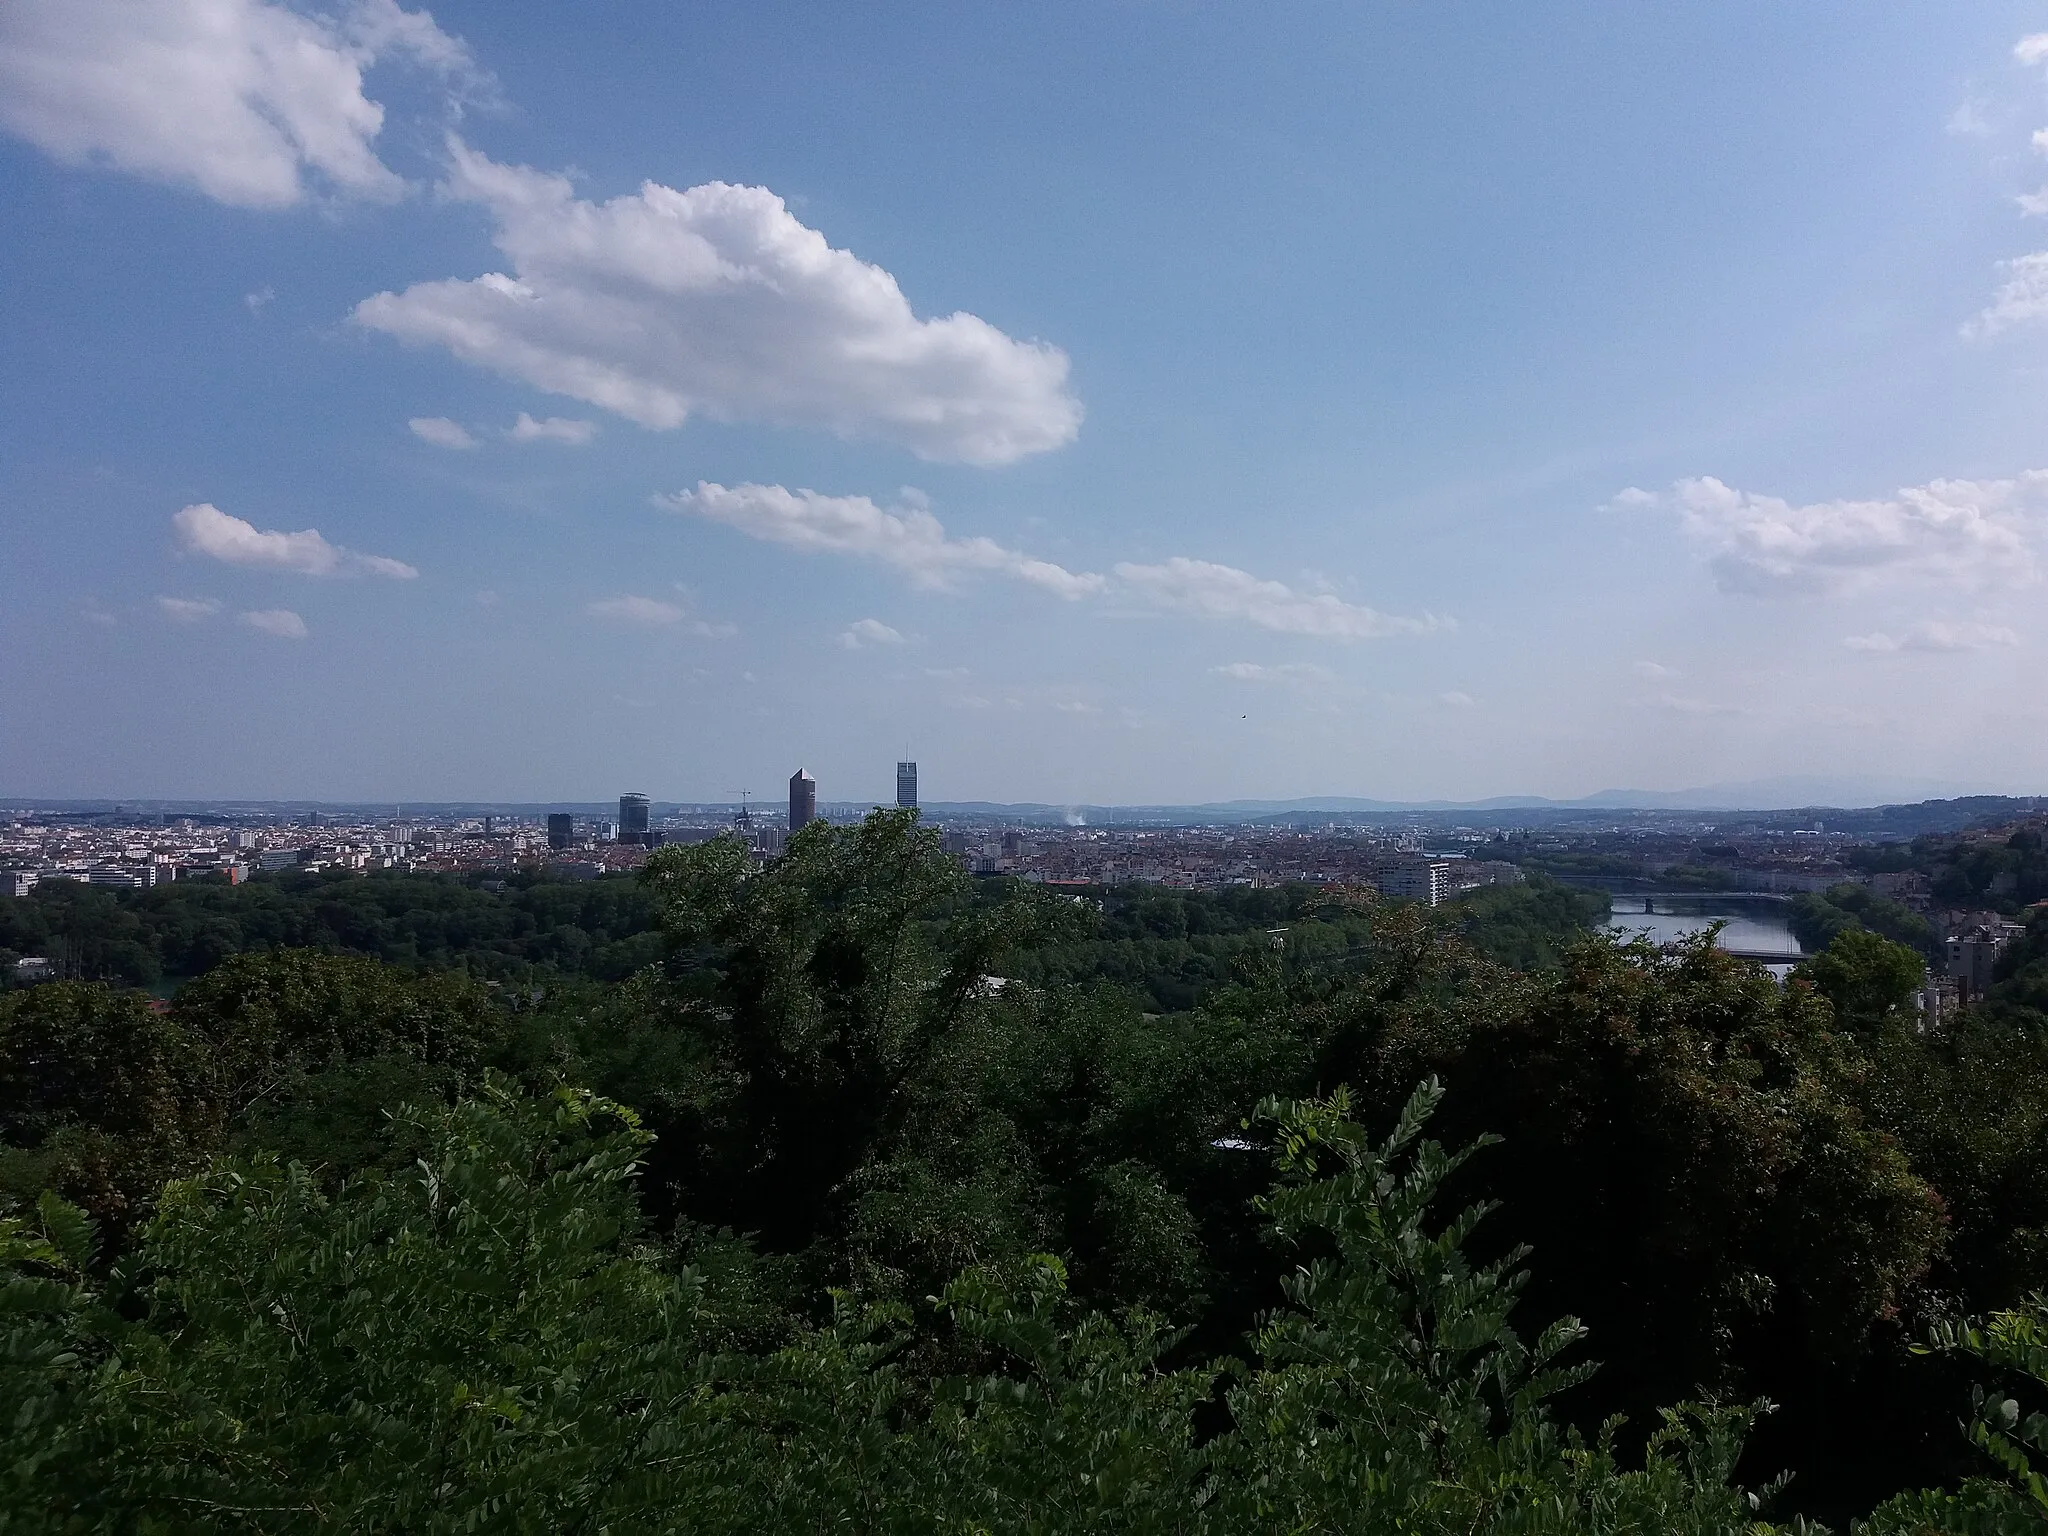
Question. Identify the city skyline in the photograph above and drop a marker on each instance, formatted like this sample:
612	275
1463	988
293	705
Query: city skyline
506	408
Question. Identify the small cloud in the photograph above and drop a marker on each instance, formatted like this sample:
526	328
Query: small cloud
441	432
487	599
1076	707
862	633
1299	673
555	429
93	613
635	610
2022	298
1457	699
708	631
188	610
1678	704
970	701
1936	637
281	622
908	537
1211	591
2031	49
1653	669
204	529
946	671
259	300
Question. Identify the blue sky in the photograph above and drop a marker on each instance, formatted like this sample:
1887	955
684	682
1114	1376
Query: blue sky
1106	402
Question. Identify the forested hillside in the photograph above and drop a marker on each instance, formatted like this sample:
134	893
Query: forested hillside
883	1199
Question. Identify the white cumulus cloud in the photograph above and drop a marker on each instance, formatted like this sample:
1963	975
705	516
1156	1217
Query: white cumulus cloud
1954	532
862	633
553	429
204	529
2023	298
188	610
1211	591
1936	636
908	538
441	432
661	305
281	622
253	103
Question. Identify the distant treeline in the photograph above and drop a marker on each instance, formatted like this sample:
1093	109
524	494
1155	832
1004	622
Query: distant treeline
602	929
1172	947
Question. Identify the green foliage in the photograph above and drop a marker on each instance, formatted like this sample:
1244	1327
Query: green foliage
1177	949
1531	926
104	1094
1393	1387
1818	920
482	1345
101	1096
1690	1160
822	1015
603	929
2012	1348
1869	980
943	1212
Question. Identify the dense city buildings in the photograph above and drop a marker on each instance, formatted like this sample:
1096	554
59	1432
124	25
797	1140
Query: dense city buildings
1971	884
906	786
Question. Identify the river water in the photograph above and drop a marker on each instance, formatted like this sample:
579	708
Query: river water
1753	925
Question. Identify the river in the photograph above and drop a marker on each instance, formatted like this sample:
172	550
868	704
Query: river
1754	925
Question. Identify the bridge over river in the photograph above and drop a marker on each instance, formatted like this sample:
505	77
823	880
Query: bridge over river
1755	922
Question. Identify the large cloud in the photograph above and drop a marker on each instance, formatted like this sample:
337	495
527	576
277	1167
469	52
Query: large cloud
908	538
206	530
252	103
1970	533
1211	591
717	300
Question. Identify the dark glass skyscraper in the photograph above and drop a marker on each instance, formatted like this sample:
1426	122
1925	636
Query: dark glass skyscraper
906	785
803	800
633	819
561	829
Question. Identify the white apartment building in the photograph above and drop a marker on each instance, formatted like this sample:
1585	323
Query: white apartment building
1424	880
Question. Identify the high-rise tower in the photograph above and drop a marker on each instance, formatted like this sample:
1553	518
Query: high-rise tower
906	785
633	819
561	829
803	800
